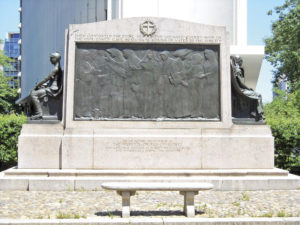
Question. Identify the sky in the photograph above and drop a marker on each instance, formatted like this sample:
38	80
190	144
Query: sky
259	28
9	17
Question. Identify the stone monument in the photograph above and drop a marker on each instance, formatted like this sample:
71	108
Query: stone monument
150	99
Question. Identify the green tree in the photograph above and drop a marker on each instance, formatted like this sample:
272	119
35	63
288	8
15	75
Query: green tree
10	123
10	128
8	95
283	115
283	47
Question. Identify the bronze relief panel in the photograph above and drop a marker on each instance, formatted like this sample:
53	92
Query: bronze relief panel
147	82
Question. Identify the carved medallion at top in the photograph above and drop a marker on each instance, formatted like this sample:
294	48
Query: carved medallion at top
148	28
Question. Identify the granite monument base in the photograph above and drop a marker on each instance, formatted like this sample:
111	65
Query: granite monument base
239	147
72	179
239	158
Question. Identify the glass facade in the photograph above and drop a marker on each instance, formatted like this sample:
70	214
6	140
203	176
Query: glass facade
12	50
43	32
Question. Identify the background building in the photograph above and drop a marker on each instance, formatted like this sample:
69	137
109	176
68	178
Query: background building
43	25
283	85
229	13
12	50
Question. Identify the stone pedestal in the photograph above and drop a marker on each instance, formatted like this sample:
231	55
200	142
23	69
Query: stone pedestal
239	147
39	146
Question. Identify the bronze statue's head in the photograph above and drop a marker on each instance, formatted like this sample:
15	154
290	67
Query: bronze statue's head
239	60
55	57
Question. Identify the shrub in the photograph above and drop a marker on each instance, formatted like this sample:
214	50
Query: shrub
283	115
10	128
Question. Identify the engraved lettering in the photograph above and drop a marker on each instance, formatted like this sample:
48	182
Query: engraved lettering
145	146
135	38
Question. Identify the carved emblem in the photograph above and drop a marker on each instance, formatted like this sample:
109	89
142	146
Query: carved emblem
148	28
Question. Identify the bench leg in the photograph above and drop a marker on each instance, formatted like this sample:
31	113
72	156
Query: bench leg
189	206
125	204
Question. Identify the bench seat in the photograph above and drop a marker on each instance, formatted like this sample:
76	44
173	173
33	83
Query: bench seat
128	189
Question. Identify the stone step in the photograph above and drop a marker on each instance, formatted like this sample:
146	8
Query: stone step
127	173
39	180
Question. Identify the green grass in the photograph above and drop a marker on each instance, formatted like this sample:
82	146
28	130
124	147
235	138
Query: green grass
284	214
268	214
237	204
161	205
62	215
230	215
209	213
70	188
245	197
180	206
110	215
239	211
281	214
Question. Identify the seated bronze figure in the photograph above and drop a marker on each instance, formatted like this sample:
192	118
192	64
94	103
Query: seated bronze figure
241	89
50	86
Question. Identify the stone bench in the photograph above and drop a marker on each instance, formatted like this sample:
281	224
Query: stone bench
128	189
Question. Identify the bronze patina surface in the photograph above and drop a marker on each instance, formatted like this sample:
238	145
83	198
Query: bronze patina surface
146	82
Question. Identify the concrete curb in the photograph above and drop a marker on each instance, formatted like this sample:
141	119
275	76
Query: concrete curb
157	221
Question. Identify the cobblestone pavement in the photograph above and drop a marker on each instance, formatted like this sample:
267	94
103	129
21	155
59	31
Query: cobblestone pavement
91	204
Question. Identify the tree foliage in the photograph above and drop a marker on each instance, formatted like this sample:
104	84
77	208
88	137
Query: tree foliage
8	95
283	115
10	127
4	60
10	123
283	47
